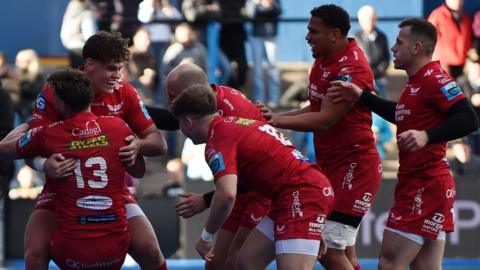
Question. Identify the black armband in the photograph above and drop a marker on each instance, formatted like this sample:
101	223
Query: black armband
163	118
461	120
385	108
208	197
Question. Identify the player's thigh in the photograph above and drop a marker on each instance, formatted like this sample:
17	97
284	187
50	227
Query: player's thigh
240	236
223	239
397	249
289	261
142	235
256	252
430	256
39	230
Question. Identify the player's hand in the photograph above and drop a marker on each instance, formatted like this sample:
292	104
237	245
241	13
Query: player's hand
58	167
190	204
128	154
267	113
412	140
204	248
322	249
340	91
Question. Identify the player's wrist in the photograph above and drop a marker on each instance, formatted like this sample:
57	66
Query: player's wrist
206	236
38	164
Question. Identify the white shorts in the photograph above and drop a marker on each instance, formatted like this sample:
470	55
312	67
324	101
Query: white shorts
416	237
289	246
339	235
133	210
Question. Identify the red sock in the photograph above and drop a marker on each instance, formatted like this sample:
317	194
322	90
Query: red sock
358	267
164	266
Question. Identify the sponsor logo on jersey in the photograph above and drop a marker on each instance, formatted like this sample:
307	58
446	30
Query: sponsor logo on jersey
99	141
115	108
244	122
364	204
417	207
296	205
443	78
25	139
100	218
348	178
255	219
298	155
401	112
144	110
451	90
91	129
280	228
343	59
428	73
414	90
344	78
94	202
216	163
74	264
435	224
317	226
41	103
229	104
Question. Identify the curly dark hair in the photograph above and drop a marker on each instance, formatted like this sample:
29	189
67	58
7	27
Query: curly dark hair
73	88
106	47
333	16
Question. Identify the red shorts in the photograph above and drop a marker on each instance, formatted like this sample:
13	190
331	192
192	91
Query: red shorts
355	183
300	211
423	206
89	253
47	199
248	211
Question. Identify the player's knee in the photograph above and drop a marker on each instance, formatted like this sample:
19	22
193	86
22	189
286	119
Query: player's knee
36	258
147	253
386	260
231	262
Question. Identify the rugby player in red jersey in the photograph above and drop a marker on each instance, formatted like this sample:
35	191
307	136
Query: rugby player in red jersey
250	207
344	142
431	111
90	213
254	154
104	55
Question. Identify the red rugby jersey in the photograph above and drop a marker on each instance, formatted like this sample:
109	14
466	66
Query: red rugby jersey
351	134
262	157
428	94
90	202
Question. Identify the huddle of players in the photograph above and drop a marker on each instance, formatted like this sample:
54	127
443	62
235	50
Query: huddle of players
257	171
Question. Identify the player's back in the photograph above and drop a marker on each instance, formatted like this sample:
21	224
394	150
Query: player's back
90	203
231	102
261	156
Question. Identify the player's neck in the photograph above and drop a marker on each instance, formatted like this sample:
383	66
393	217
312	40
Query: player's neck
337	47
70	114
416	65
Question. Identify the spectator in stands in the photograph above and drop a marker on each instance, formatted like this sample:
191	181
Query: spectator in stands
464	163
476	30
142	64
79	23
375	46
31	82
186	47
470	84
6	125
9	79
160	33
264	49
454	28
203	14
232	40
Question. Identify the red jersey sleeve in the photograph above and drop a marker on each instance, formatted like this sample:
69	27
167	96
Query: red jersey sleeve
442	96
32	142
44	111
221	156
358	74
136	116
